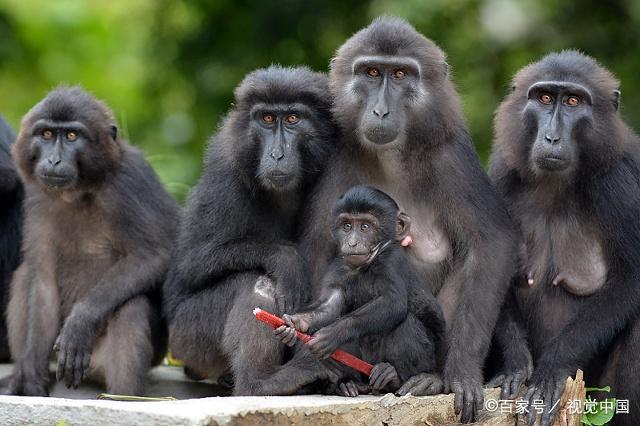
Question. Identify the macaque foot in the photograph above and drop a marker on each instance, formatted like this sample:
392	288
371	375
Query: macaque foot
421	385
384	377
349	389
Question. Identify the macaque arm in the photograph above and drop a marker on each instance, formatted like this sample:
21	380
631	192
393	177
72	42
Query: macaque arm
380	315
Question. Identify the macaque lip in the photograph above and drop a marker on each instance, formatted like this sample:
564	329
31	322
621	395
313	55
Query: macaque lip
55	181
356	259
552	163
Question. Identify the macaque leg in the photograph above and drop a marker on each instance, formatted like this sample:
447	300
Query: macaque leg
123	356
196	330
256	355
621	374
34	323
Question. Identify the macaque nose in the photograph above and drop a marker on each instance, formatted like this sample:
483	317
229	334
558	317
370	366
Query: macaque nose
551	138
54	161
380	111
276	155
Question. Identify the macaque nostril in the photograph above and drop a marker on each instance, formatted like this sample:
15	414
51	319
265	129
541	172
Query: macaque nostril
551	139
380	112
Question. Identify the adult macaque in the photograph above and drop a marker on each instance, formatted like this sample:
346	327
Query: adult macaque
97	235
569	169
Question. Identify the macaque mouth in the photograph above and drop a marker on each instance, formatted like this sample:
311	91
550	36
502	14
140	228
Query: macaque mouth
381	135
55	180
356	260
277	178
552	163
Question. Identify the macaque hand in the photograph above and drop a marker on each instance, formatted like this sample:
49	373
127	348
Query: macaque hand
286	335
300	322
323	343
74	345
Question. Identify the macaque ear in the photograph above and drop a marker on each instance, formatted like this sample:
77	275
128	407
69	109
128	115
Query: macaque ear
616	99
403	227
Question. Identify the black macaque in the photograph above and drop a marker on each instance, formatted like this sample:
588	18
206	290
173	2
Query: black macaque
97	236
11	195
403	133
236	249
569	169
371	297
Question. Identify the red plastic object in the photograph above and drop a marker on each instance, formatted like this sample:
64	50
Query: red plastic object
339	355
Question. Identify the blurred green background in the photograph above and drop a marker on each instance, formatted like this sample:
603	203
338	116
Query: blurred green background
168	68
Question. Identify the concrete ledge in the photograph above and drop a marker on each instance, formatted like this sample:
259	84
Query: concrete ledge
314	409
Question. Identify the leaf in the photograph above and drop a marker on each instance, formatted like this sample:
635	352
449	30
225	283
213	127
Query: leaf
600	417
604	389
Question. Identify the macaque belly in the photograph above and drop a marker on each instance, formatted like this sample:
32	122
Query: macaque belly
80	267
572	259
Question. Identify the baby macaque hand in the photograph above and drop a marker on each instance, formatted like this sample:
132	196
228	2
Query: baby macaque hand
300	322
286	335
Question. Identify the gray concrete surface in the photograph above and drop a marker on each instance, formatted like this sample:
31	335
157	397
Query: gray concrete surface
79	407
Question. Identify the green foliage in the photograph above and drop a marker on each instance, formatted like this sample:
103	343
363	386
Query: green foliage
168	68
600	416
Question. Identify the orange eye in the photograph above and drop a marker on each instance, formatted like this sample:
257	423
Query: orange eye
546	98
373	72
268	118
292	119
399	74
573	101
47	134
72	136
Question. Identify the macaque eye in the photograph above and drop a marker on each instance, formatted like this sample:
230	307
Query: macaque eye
364	227
346	226
373	72
268	118
546	98
292	119
72	136
47	134
399	74
573	101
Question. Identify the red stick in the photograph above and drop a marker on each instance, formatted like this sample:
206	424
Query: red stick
339	355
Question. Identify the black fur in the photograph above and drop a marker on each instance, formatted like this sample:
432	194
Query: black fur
380	308
11	195
434	174
562	217
236	248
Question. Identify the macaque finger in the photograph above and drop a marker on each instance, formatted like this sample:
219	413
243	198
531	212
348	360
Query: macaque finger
68	368
468	406
353	390
62	362
287	319
375	372
78	370
406	387
342	390
458	399
86	365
